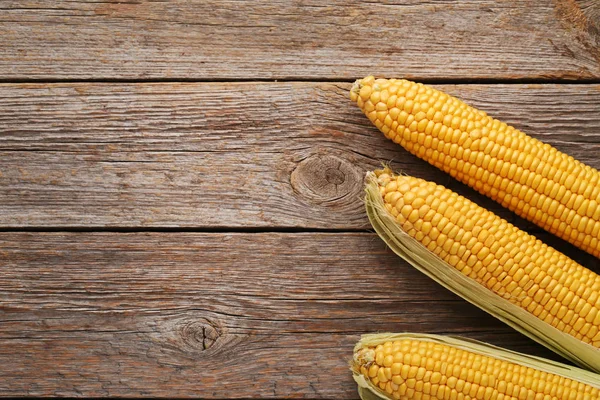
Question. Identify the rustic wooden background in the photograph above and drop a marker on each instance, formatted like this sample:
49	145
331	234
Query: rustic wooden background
181	182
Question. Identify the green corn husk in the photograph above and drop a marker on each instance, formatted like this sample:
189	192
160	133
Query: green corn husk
580	353
368	391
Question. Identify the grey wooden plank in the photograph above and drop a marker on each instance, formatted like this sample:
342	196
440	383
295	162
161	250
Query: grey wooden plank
218	155
224	315
182	39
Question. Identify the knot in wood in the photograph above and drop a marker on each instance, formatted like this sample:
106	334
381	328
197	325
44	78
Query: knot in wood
326	178
199	335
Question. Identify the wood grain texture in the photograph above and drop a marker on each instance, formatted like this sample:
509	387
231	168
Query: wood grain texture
210	315
242	315
182	39
219	155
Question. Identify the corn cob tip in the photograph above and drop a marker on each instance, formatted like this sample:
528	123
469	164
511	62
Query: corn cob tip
355	90
381	177
357	93
363	356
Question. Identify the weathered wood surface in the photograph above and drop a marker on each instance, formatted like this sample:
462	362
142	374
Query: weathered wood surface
206	155
210	315
182	39
218	314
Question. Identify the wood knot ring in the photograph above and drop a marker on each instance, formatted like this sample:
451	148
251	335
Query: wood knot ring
326	178
199	335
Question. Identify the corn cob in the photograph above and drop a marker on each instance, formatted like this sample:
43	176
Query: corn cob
417	366
533	179
489	262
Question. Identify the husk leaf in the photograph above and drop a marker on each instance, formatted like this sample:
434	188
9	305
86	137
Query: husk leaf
427	262
368	391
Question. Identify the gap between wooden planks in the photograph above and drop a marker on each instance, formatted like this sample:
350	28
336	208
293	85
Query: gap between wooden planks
229	315
183	39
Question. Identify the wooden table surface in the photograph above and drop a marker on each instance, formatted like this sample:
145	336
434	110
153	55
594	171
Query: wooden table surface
181	182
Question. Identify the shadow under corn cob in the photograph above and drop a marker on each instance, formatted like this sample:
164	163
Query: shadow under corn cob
489	262
533	179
